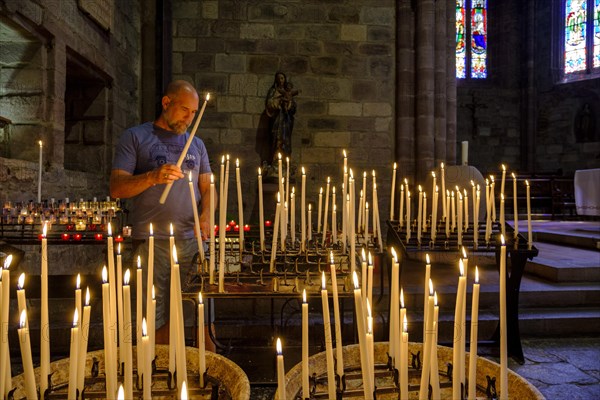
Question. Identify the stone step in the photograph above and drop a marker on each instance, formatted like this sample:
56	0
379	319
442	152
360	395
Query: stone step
558	263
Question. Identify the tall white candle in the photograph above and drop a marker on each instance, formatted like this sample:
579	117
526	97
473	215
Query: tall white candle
44	321
473	345
222	232
138	316
21	300
404	361
502	221
326	213
408	221
493	198
426	294
120	311
394	299
466	210
447	202
367	224
488	211
211	224
179	327
460	217
453	210
456	382
377	220
293	215
240	203
39	192
261	212
420	215
303	212
287	179
280	371
370	279
309	225
529	232
434	214
336	317
360	324
515	208
434	370
393	193
425	372
319	209
443	178
351	214
401	214
370	345
503	347
152	324
476	216
183	154
201	341
72	389
280	177
5	369
150	281
331	388
305	371
197	229
276	227
424	215
110	370
503	179
83	341
127	348
147	363
25	346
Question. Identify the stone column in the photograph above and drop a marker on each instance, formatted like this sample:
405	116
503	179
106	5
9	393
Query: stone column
451	85
441	54
425	85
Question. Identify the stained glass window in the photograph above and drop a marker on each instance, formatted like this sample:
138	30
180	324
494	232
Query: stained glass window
471	27
581	36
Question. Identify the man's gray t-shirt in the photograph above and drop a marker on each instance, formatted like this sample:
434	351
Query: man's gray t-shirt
145	147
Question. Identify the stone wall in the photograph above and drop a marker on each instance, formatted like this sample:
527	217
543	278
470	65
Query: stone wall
340	55
45	39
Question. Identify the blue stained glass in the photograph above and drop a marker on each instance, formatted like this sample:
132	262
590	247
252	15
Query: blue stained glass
575	33
461	59
597	34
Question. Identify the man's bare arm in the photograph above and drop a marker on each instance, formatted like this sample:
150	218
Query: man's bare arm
124	185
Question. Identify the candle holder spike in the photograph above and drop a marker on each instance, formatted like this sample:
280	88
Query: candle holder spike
95	367
449	371
11	394
416	360
490	390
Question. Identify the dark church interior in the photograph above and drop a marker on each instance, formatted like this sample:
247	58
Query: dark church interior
319	135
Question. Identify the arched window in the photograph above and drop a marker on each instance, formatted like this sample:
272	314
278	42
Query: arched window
581	38
471	39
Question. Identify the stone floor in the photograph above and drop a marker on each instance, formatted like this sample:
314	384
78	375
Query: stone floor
561	368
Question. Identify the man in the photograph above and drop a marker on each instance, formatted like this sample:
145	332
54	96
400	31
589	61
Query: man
145	161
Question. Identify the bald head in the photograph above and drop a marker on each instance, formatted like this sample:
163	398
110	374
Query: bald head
179	105
175	88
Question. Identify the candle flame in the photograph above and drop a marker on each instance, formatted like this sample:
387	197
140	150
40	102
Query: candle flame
427	260
501	196
304	295
78	282
259	172
144	327
126	277
21	281
40	143
502	240
464	252
151	230
323	282
328	180
278	346
503	167
190	176
199	297
370	257
321	190
109	229
435	301
492	178
45	229
402	297
171	228
121	393
472	183
430	287
207	96
184	392
394	255
368	309
344	152
351	174
373	173
139	262
461	267
437	189
309	207
513	175
364	255
402	188
279	156
367	203
175	255
487	182
420	189
237	162
526	182
223	159
405	324
23	319
119	249
331	257
476	274
75	318
433	174
442	165
227	158
104	275
87	296
355	279
394	165
303	171
369	324
153	293
332	189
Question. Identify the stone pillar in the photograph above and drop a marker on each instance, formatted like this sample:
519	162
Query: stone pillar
425	85
441	54
405	77
451	85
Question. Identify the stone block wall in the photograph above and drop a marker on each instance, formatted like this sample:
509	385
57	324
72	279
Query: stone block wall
339	54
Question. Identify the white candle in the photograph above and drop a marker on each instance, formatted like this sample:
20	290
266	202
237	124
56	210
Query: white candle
280	177
503	179
434	214
424	215
377	221
425	372
503	347
110	370
404	361
261	212
460	217
408	222
280	372
476	216
336	317
305	372
370	345
319	210
434	369
152	323
502	221
444	206
370	279
325	215
394	303
121	393
453	210
367	224
127	348
287	179
183	154
211	224
515	208
222	232
393	193
293	215
426	294
331	388
363	272
179	327
334	224
456	382
83	341
276	227
120	311
147	363
150	277
39	192
351	214
447	202
360	324
172	310
420	215
240	204
25	345
401	215
309	235
529	232
466	210
72	390
303	213
493	198
5	369
21	300
44	321
488	211
201	341
198	231
473	345
138	316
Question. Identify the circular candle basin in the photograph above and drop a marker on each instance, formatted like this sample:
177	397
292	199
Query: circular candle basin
518	387
233	382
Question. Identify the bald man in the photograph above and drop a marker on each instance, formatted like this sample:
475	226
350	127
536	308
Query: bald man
144	162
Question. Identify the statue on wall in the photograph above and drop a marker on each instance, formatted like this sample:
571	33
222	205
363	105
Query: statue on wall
280	108
585	125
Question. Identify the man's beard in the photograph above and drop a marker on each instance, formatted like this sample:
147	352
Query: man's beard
178	127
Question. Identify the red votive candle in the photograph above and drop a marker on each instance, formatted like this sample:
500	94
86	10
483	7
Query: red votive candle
98	236
77	236
246	228
65	236
232	223
268	223
118	239
236	228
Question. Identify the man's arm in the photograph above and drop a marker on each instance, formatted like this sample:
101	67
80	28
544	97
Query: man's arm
204	187
124	185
